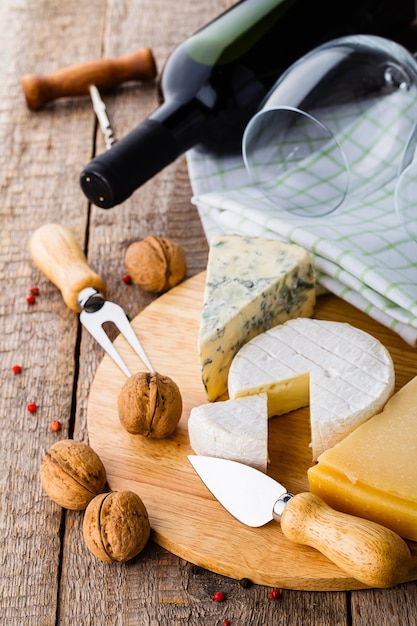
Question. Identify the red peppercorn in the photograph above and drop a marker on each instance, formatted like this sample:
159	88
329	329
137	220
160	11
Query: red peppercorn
34	291
275	593
31	299
55	426
226	622
31	407
218	596
16	369
127	279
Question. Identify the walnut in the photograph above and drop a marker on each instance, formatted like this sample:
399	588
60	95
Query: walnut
72	474
150	405
116	526
155	264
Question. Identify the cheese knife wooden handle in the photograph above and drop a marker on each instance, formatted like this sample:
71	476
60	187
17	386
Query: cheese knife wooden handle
56	252
77	79
367	551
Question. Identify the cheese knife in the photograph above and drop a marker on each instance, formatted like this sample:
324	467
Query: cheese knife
366	551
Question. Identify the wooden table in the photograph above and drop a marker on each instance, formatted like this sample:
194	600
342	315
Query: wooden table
47	575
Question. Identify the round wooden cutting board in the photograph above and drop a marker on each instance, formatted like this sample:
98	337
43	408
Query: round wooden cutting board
185	517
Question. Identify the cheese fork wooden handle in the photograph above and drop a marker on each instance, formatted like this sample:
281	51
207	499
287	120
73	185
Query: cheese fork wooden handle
77	79
60	258
367	551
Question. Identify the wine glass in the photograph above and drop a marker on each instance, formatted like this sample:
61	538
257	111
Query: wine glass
406	188
336	126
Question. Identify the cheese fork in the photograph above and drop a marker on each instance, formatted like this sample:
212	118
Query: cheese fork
58	255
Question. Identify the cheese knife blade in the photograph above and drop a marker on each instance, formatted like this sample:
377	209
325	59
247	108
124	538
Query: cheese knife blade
231	483
367	551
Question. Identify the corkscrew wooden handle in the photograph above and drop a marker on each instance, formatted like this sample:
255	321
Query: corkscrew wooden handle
367	551
76	80
60	258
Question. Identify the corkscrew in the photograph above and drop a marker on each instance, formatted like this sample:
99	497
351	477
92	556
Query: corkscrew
102	118
89	78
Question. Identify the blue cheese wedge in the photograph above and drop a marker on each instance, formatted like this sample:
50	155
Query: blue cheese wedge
343	373
233	429
252	284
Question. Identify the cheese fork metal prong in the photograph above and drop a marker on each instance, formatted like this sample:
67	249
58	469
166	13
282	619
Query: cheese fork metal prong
57	254
96	311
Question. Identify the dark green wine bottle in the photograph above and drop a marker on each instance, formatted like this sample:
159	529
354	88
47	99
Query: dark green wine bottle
214	81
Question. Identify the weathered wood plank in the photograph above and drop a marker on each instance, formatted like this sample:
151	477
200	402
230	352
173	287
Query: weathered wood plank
160	207
40	156
388	607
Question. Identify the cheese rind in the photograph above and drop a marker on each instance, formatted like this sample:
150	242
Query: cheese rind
252	284
345	374
373	472
233	429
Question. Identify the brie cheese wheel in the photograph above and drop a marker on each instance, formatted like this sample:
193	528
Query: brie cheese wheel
343	373
252	284
234	429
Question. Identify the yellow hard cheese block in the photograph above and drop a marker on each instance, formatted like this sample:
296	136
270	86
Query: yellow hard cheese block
372	473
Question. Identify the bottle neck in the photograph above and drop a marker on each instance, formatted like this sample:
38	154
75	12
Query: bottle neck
186	122
113	176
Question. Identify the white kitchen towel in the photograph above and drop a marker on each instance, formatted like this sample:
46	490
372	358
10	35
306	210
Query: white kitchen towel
361	251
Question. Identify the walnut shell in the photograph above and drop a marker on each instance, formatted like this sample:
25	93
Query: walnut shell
155	264
150	405
116	526
72	474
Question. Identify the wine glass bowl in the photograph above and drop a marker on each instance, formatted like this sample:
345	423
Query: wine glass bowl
336	126
301	167
406	199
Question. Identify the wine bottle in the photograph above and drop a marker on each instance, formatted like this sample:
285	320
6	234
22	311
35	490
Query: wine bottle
213	82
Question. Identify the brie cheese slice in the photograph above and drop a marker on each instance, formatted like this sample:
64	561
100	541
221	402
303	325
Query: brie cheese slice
233	429
343	373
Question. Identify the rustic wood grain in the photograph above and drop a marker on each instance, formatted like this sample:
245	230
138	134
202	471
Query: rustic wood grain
47	577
